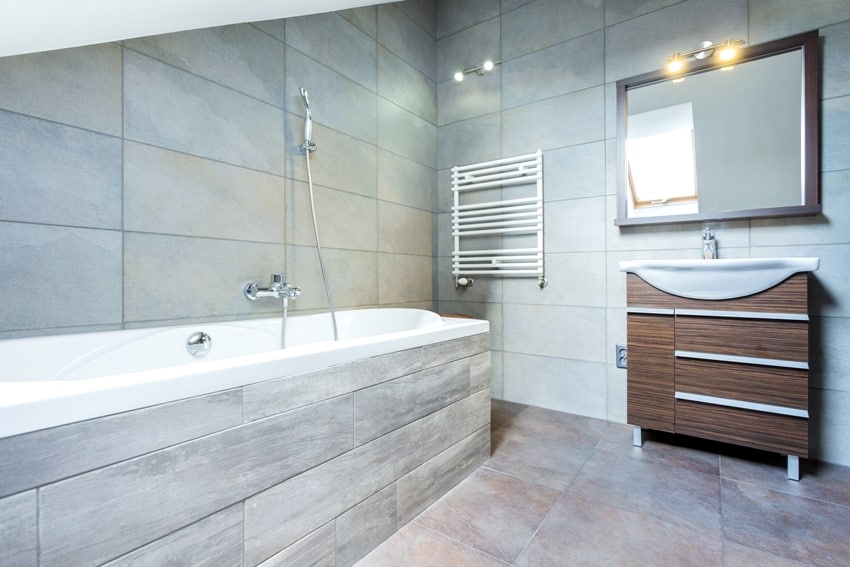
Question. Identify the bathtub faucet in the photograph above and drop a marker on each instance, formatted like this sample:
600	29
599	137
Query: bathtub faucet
279	289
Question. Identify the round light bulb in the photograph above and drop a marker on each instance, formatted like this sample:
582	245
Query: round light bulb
488	65
675	65
459	76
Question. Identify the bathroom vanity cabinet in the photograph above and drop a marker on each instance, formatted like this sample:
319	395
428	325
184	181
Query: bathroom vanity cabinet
733	370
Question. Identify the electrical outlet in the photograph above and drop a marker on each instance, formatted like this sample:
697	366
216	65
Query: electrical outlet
622	356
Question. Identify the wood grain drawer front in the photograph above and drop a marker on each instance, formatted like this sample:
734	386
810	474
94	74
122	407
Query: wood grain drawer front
790	296
784	387
650	385
770	432
759	338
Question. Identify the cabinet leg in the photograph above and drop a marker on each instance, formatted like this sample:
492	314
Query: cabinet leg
637	437
793	467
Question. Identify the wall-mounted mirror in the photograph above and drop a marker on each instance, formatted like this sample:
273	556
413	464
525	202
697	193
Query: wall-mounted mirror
721	140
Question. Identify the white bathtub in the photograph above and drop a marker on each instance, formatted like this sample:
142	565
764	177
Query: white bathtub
50	381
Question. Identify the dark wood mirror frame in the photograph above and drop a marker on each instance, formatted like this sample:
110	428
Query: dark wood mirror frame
809	44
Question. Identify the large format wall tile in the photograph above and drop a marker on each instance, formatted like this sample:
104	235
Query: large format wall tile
84	264
333	41
58	174
404	181
173	109
156	287
773	19
41	457
406	86
174	193
548	22
365	526
80	87
402	36
467	48
403	278
239	56
354	114
542	74
453	17
406	134
404	230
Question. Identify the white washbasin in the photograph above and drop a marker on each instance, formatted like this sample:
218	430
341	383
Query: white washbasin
717	279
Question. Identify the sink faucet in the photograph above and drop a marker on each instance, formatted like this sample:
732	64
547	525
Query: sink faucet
279	289
709	244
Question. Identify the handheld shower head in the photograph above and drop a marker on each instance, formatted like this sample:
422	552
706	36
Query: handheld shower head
308	120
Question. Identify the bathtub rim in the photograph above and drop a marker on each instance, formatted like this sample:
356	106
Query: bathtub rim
32	406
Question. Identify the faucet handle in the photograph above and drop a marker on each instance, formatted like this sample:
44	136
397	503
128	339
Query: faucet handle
279	279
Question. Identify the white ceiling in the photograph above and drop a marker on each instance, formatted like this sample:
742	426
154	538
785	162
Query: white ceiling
27	26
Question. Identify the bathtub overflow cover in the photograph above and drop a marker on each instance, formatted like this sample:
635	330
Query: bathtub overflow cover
199	344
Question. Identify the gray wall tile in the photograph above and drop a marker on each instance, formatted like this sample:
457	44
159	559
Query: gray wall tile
406	86
317	549
618	10
352	275
340	161
211	542
835	69
404	181
170	108
406	134
459	15
41	457
402	36
174	193
239	56
570	332
835	116
359	232
101	515
84	263
388	406
403	278
542	74
354	114
365	526
434	478
225	266
480	367
772	19
80	87
58	174
540	125
556	382
275	28
454	144
335	42
423	13
19	529
404	229
575	171
548	22
365	18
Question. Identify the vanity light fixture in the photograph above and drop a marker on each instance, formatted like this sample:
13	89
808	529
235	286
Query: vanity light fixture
726	51
486	66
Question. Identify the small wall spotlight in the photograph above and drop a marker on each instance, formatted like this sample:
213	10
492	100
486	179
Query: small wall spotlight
726	51
486	66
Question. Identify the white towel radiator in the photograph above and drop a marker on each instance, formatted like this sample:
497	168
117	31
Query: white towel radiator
498	205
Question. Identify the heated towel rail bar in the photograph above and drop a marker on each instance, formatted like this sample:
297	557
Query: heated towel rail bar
516	220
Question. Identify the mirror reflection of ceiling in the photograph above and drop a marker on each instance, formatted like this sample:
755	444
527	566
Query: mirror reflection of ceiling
29	26
746	120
